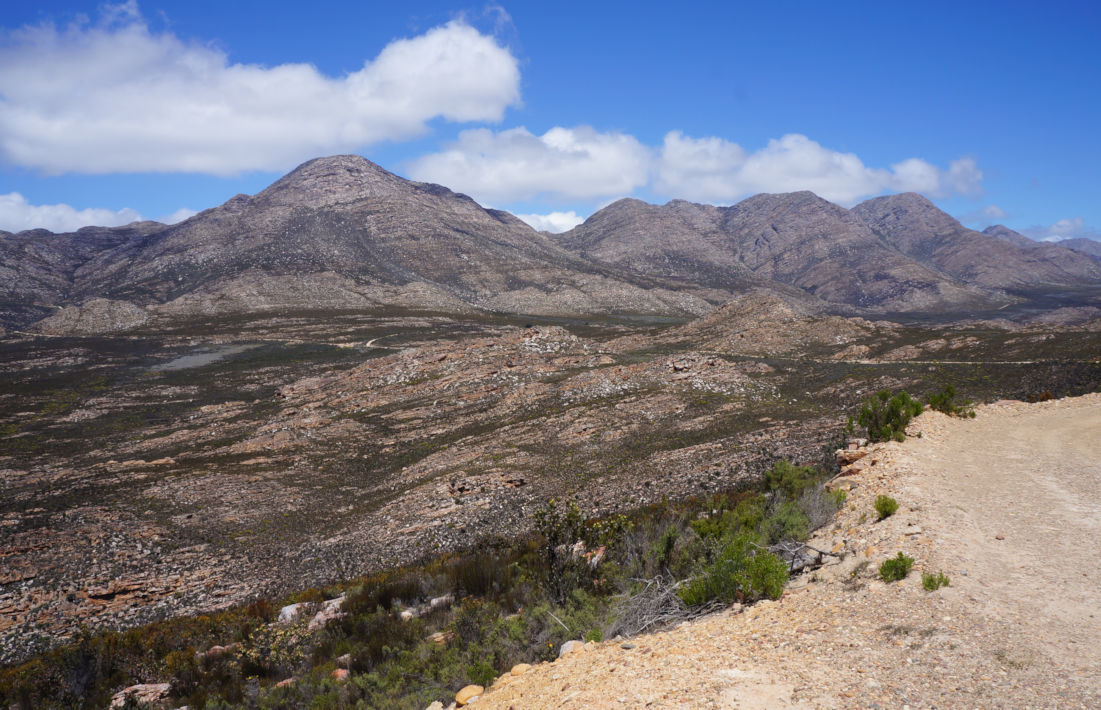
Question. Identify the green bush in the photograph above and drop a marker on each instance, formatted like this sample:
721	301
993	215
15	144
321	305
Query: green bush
932	582
560	526
885	506
945	401
896	568
746	516
742	571
789	479
786	522
885	415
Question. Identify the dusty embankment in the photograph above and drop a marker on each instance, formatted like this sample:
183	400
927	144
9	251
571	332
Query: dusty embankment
1008	505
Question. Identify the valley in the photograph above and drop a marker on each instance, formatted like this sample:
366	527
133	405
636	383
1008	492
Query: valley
161	474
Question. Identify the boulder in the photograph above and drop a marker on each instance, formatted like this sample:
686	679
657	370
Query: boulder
145	693
290	613
520	669
330	611
440	638
848	456
570	647
468	694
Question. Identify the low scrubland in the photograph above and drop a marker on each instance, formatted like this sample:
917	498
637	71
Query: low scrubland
467	617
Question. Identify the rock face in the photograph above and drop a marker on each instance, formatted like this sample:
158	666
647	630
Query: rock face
468	694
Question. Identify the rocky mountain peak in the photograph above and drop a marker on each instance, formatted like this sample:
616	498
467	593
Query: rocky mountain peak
333	180
910	209
803	204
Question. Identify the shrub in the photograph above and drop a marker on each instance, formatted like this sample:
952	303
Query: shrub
742	571
789	479
786	522
945	401
886	416
746	516
932	582
885	506
560	527
896	568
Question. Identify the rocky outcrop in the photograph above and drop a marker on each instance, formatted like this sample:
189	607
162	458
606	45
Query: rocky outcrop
97	316
145	694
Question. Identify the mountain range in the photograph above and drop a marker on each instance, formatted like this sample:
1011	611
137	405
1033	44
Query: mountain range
341	233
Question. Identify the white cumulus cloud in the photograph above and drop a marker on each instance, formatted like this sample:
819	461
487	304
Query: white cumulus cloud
178	216
564	163
115	96
16	214
984	216
555	222
713	169
1067	228
994	212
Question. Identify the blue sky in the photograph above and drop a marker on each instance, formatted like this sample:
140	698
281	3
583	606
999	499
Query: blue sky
551	110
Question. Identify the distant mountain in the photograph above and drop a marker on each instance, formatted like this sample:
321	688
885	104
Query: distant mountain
1086	246
1078	244
915	227
795	239
341	233
387	239
1000	231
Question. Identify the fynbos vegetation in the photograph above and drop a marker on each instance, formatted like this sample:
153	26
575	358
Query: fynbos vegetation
885	415
413	635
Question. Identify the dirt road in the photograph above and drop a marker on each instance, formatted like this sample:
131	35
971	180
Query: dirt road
1017	495
1008	505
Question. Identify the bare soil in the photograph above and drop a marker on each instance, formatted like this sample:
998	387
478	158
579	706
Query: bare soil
1007	505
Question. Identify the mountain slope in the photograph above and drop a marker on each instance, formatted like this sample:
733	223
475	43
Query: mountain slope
37	267
341	232
795	240
917	228
1081	244
348	216
1000	231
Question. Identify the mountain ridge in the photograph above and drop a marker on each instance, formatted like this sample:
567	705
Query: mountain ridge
343	233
